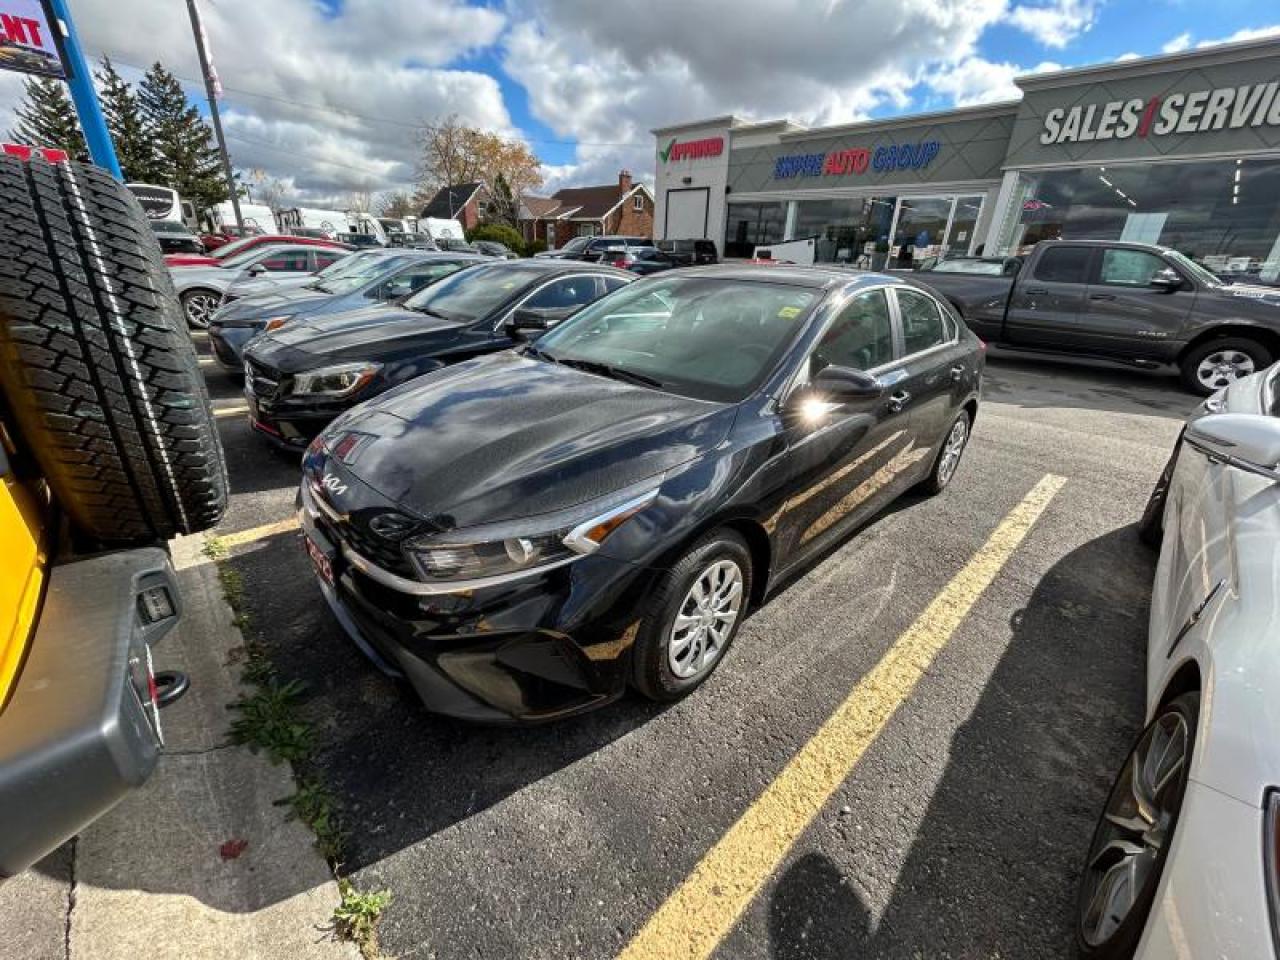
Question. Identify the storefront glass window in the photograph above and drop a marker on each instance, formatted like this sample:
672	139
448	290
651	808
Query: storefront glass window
749	225
847	230
1224	214
922	227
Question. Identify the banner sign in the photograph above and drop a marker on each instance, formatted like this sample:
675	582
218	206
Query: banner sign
30	41
898	156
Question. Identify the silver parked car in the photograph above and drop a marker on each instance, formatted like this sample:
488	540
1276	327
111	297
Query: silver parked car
1184	861
201	288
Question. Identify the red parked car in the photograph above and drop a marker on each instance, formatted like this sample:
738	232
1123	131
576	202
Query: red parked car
215	258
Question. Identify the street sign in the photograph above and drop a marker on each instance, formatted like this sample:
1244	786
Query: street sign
30	40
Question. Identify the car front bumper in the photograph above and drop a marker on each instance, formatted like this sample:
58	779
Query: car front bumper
82	727
1212	899
538	648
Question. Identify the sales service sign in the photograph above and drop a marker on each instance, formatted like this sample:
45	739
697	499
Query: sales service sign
29	42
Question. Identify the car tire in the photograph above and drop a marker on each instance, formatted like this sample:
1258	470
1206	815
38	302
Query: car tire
1103	933
665	663
96	366
947	461
198	306
1237	357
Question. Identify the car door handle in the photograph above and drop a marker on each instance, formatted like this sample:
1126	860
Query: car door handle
1102	296
1036	292
957	372
899	400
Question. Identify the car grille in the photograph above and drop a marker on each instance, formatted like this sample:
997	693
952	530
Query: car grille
352	534
261	380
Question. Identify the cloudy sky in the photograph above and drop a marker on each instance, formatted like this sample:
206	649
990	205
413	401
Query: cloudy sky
327	94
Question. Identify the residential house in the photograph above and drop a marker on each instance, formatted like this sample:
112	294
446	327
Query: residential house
623	208
464	202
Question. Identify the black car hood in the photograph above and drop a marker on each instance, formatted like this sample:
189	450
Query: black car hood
289	300
368	333
506	436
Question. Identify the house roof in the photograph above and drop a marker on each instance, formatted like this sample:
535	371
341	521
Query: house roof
539	207
580	203
449	201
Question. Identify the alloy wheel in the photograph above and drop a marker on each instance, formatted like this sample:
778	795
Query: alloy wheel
1223	367
705	620
952	450
199	308
1137	824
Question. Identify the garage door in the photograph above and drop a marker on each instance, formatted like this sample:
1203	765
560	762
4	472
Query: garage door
687	214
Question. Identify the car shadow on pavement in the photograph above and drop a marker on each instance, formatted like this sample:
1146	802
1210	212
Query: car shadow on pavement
993	865
1057	382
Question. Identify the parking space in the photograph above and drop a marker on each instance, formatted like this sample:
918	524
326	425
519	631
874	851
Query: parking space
957	827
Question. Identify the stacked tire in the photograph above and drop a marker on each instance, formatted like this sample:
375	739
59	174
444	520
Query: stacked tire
97	370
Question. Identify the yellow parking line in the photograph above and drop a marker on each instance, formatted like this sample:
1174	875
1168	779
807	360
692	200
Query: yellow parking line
230	411
705	907
240	538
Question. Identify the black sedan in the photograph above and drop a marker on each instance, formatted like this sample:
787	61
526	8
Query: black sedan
639	260
299	377
176	237
528	534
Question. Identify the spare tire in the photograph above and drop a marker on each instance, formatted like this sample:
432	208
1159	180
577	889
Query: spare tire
97	369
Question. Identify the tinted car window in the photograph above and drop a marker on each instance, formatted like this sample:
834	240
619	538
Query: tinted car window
922	323
1129	268
414	278
295	262
860	337
612	283
1064	265
473	293
675	331
565	292
326	258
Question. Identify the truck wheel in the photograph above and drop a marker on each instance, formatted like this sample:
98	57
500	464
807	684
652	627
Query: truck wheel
96	366
1215	364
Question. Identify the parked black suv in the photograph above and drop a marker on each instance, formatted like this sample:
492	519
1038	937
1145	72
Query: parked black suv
689	253
593	250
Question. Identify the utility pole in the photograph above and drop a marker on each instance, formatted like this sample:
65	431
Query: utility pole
198	29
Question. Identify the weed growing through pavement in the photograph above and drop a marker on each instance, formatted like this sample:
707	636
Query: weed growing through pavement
356	917
268	720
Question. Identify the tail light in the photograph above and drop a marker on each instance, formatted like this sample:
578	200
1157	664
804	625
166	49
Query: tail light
621	263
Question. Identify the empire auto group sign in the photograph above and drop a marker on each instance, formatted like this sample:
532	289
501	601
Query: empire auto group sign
856	161
1225	108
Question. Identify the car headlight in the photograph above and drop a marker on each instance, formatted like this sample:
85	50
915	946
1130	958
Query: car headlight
340	380
506	550
275	323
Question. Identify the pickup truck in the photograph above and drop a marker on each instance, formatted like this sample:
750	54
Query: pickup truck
1135	303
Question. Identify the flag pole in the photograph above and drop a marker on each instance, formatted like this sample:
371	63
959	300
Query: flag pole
212	93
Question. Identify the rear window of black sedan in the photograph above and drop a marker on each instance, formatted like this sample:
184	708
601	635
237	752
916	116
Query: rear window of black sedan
474	292
704	337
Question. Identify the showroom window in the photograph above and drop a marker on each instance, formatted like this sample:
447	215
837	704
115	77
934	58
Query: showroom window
1224	214
847	230
750	225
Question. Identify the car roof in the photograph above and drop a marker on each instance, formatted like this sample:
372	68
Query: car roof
554	265
820	276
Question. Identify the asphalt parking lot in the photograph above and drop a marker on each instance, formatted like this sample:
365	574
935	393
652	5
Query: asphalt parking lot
962	824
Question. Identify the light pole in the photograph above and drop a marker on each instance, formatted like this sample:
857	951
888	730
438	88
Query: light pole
198	29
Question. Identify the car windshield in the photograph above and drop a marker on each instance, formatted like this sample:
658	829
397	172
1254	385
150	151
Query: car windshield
576	244
369	266
228	250
473	293
1188	265
170	226
703	337
992	268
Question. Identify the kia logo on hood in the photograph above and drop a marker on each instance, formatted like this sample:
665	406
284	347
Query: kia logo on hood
333	484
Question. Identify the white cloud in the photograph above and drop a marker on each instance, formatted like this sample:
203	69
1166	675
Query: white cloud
1124	57
1178	43
336	96
1252	33
974	80
1057	22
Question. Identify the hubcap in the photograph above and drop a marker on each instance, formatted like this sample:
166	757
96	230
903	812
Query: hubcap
705	620
1135	827
952	450
200	307
1223	367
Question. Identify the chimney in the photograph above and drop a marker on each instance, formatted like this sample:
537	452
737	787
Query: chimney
624	181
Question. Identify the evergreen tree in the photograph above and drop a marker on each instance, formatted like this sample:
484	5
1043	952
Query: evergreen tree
46	118
182	143
124	120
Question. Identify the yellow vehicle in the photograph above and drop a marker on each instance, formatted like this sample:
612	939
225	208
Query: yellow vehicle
108	448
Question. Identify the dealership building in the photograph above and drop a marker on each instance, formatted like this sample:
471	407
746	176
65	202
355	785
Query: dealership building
1181	150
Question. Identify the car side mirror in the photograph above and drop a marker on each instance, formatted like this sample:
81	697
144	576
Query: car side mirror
1248	441
1167	280
836	384
529	323
257	270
